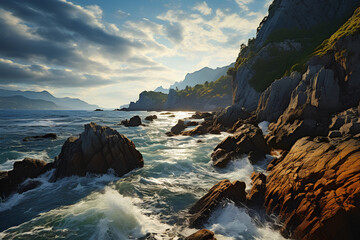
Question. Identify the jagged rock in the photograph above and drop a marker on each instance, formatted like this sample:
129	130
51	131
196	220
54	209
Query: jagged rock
246	139
275	99
200	115
201	210
27	168
315	189
133	122
257	192
334	134
177	129
202	234
151	118
256	156
199	130
191	124
28	185
95	151
48	135
231	115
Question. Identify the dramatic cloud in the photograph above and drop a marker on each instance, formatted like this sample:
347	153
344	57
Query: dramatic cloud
56	44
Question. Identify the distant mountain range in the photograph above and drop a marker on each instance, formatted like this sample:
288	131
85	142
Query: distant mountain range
10	99
201	76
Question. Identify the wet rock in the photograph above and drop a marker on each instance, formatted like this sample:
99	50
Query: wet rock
202	209
256	156
257	192
200	115
191	124
199	130
48	135
202	234
133	122
27	168
334	134
315	189
151	118
28	185
98	149
247	138
177	129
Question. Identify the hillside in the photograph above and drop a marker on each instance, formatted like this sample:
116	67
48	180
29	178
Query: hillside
23	103
62	103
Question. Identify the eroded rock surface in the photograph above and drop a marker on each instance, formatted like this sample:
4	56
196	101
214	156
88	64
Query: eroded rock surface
96	150
315	189
133	122
202	234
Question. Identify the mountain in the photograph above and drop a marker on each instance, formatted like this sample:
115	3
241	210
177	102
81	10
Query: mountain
161	90
201	76
22	103
62	103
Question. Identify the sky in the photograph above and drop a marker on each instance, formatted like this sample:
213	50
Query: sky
106	52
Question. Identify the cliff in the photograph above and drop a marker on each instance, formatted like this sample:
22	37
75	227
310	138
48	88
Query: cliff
149	100
285	41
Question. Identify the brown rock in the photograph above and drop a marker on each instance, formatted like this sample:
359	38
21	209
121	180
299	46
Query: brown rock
95	151
202	209
178	128
257	193
202	234
200	115
27	168
315	189
247	138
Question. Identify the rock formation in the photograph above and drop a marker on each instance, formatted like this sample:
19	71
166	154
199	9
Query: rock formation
201	210
96	151
133	122
315	189
246	139
202	234
27	168
48	135
151	118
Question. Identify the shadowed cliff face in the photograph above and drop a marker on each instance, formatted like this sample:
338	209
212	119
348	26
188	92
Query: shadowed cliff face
284	43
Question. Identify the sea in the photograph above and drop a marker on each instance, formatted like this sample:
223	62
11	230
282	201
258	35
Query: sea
147	203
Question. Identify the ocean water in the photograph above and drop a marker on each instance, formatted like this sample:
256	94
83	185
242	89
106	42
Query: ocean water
148	202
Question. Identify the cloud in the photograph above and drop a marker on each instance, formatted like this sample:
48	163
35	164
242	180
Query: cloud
122	14
203	8
243	4
174	32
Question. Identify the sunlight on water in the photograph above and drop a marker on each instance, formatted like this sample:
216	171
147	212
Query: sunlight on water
152	200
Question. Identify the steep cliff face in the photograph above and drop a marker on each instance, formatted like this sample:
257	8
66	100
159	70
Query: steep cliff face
149	101
284	43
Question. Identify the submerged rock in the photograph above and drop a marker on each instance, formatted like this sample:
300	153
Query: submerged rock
27	168
248	138
202	234
48	135
133	122
202	209
96	151
315	189
200	115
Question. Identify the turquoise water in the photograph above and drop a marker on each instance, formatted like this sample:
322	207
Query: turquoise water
150	201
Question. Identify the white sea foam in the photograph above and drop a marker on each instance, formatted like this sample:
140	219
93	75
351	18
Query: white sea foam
264	127
231	222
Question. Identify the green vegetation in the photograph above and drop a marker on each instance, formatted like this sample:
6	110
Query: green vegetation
156	96
351	27
219	88
282	63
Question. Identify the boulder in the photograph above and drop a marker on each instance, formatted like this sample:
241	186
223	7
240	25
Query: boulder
27	168
177	129
200	115
48	135
98	149
257	192
191	124
151	118
202	209
202	234
247	138
315	189
199	130
133	122
231	115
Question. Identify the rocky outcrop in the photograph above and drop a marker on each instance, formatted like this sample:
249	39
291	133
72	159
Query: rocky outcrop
201	210
289	14
149	100
151	118
202	234
257	193
200	115
96	151
46	136
275	99
231	115
27	168
133	122
315	189
177	129
246	139
345	123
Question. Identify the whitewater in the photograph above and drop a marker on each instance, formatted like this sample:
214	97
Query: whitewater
147	203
